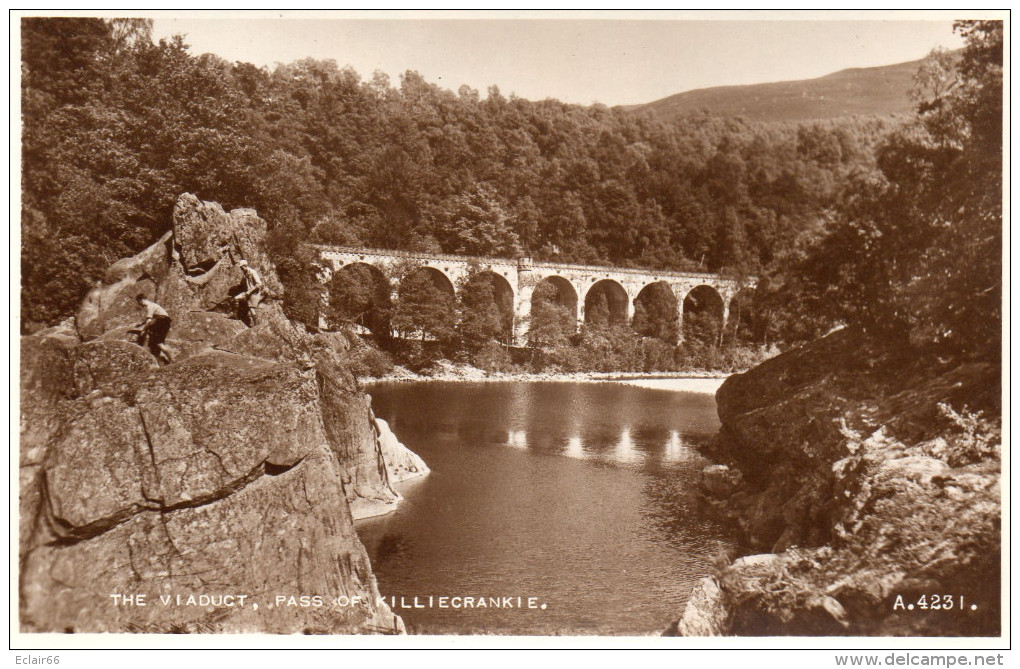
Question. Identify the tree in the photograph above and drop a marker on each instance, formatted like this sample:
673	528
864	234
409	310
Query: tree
701	327
935	84
297	265
916	254
481	318
476	223
596	314
656	314
551	324
358	295
116	127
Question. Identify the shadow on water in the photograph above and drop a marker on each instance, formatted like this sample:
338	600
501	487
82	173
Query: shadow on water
391	546
581	496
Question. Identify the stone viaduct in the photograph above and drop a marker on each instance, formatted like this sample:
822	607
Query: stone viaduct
575	284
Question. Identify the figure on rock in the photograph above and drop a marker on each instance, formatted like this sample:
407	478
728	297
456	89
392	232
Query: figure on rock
153	330
251	297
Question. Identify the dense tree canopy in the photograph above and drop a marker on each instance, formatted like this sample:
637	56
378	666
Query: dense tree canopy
655	313
424	308
116	127
891	224
359	294
486	313
551	323
913	251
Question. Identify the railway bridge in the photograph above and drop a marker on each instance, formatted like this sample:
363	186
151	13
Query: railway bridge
577	286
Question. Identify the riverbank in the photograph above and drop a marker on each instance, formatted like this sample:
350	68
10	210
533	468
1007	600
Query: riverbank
697	381
863	477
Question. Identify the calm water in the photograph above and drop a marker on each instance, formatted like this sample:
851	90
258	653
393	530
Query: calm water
580	495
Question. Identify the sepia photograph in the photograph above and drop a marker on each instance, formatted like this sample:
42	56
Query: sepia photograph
672	328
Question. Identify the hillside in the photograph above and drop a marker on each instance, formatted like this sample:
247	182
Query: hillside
869	91
328	158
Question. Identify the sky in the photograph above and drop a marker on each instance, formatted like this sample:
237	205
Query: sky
580	58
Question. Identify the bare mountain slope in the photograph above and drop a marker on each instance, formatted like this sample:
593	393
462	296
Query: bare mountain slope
868	91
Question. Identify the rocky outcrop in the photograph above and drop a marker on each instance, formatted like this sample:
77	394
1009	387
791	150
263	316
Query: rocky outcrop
211	487
704	614
395	463
401	462
872	479
720	481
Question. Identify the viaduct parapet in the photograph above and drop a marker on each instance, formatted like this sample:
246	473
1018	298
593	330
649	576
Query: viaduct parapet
575	284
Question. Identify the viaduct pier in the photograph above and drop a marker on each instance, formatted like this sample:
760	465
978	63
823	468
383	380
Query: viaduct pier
515	281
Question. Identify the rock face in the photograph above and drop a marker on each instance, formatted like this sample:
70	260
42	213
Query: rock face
720	481
211	486
704	614
401	463
868	475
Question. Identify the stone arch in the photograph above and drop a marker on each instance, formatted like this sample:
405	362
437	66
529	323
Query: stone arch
566	294
504	296
375	314
704	311
740	324
552	311
606	303
438	277
657	312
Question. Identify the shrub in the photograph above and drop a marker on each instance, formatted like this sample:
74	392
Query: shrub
556	359
492	357
657	355
970	437
367	361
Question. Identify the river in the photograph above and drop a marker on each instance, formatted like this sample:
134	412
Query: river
566	508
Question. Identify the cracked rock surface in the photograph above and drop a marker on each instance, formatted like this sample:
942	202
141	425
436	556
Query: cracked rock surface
229	472
869	480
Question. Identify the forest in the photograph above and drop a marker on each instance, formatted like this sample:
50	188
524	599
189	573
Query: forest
893	224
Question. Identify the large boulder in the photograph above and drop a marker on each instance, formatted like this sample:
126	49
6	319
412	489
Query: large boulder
273	337
112	303
47	378
229	475
227	559
401	462
47	382
720	481
352	436
205	326
111	365
869	472
215	470
193	268
212	290
704	613
204	235
202	232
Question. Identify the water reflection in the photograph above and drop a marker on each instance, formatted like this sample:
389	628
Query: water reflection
631	446
608	422
626	446
625	451
575	447
582	494
517	439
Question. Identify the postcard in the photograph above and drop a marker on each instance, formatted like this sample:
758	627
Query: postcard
511	329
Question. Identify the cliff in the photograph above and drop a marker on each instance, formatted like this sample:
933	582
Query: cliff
866	483
231	471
